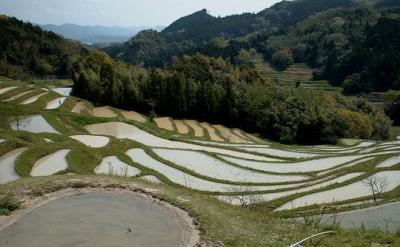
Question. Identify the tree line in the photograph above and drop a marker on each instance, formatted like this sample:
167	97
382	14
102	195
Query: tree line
215	90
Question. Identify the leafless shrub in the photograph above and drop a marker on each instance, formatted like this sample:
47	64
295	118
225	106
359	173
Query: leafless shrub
377	185
244	196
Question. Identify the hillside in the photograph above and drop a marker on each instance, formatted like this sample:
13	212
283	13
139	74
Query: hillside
199	32
50	142
328	36
336	42
27	51
200	26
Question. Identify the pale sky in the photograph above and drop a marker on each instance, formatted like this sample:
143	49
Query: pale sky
122	12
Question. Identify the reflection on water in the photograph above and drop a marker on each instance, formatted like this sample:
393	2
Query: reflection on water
95	219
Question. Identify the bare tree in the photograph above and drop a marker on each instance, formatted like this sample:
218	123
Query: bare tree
244	196
377	185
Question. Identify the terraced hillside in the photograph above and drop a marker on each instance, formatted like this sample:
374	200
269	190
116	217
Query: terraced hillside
297	73
44	133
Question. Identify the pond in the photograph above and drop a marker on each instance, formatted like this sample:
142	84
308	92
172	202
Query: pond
96	219
385	217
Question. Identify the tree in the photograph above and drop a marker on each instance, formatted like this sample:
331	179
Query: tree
393	110
244	58
282	59
377	185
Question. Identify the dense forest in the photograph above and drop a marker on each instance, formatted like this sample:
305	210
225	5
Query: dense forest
331	36
214	90
27	51
336	44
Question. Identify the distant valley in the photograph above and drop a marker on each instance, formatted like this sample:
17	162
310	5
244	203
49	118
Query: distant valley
97	34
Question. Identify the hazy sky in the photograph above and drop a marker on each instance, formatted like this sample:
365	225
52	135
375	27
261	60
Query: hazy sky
122	12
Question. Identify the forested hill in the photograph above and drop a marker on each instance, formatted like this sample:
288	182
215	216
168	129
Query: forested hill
215	36
328	35
200	26
27	51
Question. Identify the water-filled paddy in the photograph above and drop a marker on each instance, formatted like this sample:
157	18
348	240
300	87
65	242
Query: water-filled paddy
33	99
385	217
189	181
92	141
7	161
6	89
275	195
18	95
122	131
55	103
208	166
111	165
301	166
64	91
389	162
34	124
351	191
50	164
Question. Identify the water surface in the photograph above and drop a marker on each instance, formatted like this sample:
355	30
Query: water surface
95	219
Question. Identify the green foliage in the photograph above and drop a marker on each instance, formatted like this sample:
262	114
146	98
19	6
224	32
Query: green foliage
214	90
282	59
245	58
380	71
393	111
8	204
27	51
355	124
338	41
216	36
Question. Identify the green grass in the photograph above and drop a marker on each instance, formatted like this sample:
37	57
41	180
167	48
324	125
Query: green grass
52	82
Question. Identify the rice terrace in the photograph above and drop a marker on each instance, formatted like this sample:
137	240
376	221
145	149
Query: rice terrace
253	129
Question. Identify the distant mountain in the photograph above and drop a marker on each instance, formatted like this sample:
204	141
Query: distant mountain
201	26
97	34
